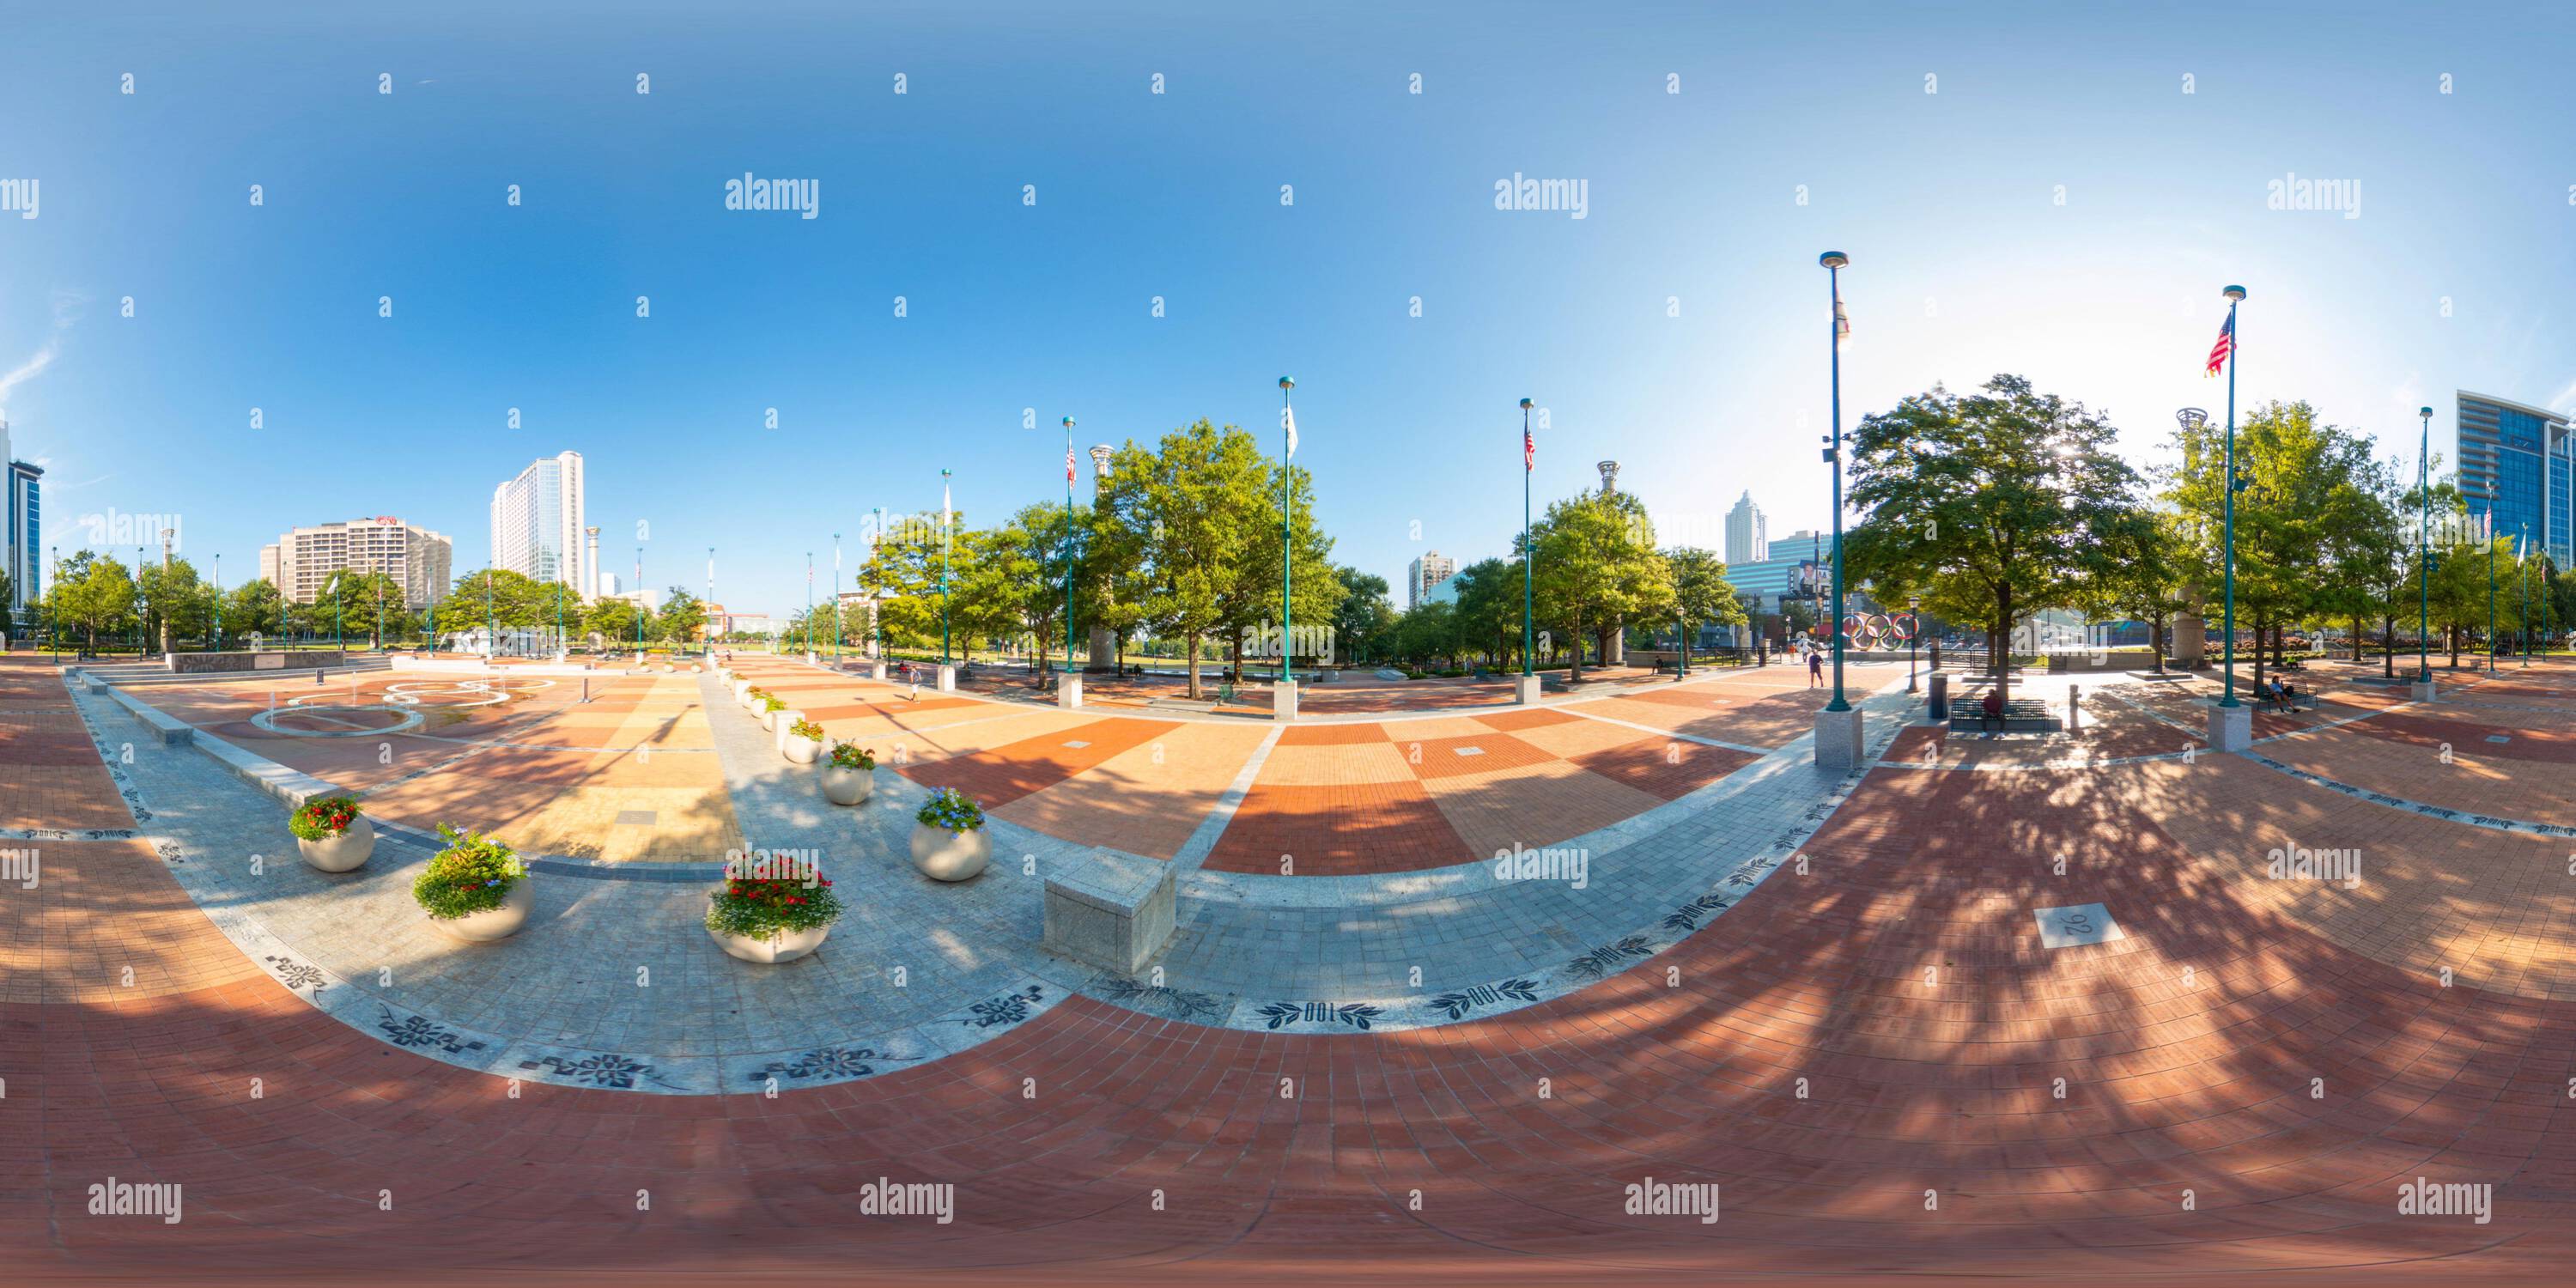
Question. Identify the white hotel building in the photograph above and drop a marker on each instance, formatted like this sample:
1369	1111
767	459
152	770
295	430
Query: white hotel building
537	525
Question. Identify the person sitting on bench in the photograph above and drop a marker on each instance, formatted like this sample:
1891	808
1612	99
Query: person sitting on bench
2289	696
1993	704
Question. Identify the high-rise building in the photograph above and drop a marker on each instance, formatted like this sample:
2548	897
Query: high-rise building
22	545
416	558
1426	572
537	525
2515	462
1748	534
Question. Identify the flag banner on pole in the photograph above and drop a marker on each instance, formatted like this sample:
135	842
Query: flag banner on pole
1288	420
2221	351
1068	463
1842	320
1529	451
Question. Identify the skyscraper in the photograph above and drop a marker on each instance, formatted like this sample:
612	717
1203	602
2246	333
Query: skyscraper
2515	458
22	542
1426	572
416	558
537	524
1748	533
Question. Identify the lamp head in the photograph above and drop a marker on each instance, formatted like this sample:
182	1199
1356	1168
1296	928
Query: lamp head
2234	292
1834	259
1287	382
1525	404
2192	417
2425	412
1068	422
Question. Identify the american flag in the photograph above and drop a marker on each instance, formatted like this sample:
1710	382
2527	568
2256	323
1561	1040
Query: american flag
2219	352
1529	451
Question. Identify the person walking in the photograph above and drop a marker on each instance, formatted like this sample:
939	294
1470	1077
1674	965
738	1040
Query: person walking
1815	666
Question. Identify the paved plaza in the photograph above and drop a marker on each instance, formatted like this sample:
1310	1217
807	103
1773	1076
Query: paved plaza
1989	1004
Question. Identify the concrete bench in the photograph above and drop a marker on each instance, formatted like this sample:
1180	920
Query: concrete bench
171	730
2020	715
1110	910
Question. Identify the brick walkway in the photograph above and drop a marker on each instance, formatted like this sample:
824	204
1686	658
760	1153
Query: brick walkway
1872	1053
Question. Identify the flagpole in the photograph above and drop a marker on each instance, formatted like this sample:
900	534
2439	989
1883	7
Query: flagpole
1068	543
1287	544
2522	565
2235	344
1529	452
836	601
943	567
2489	535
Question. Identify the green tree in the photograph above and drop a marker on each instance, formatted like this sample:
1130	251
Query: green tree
1485	613
1365	616
1702	596
1315	589
1194	509
683	615
253	606
92	593
1998	504
1597	567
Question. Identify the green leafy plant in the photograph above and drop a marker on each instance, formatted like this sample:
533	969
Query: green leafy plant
764	908
806	729
950	811
756	693
773	702
850	755
473	874
324	818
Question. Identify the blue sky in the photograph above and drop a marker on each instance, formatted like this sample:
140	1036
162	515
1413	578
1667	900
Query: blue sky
1965	261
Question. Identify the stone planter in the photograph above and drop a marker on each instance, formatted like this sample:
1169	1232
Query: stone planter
802	751
848	786
740	687
769	720
943	855
342	853
786	946
492	923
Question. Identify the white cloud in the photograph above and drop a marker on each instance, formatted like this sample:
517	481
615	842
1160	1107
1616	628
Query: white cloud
66	309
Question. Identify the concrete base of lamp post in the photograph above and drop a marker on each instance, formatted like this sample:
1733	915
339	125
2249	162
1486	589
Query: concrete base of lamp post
2230	728
1283	700
2420	691
876	670
1838	739
1525	690
947	678
1068	690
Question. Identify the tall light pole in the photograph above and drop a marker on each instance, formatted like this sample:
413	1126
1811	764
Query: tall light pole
1834	262
219	603
1101	454
943	567
1068	543
1529	464
2522	564
706	636
639	604
2235	295
876	605
2489	534
809	601
1912	609
1287	542
2423	560
836	601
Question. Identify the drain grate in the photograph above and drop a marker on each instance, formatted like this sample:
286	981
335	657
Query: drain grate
636	817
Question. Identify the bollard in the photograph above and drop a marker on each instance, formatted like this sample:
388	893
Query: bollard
1937	698
317	675
2074	707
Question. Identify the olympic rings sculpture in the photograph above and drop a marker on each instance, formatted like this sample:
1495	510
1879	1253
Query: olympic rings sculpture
1884	632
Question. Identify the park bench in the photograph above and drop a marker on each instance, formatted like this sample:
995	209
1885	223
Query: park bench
2021	715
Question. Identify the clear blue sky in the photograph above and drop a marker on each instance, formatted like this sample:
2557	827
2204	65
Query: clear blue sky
1964	262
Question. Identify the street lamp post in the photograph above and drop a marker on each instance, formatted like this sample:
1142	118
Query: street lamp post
219	603
2522	565
2488	534
707	635
1068	543
943	568
2423	555
1913	633
876	606
1838	725
836	601
1287	543
809	601
1101	455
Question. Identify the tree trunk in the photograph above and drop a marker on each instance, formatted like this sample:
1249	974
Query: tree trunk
2388	647
2001	643
2258	651
2356	639
1576	675
1193	665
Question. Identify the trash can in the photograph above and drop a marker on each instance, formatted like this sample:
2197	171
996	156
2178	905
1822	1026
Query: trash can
1937	701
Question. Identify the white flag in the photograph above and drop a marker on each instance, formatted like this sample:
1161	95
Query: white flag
1842	320
1288	420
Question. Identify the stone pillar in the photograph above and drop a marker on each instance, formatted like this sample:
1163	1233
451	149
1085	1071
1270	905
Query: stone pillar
876	670
1283	700
1104	650
2190	640
2230	728
1525	690
947	678
1068	690
1838	739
